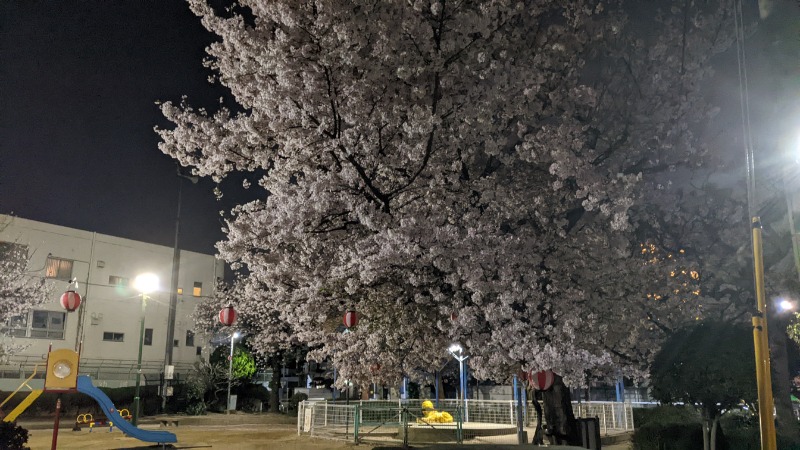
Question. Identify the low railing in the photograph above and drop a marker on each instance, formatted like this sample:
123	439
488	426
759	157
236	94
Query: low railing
98	368
357	420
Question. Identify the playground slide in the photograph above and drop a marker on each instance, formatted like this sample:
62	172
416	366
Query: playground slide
23	405
85	386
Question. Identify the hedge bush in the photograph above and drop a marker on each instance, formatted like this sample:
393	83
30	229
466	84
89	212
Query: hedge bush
668	436
295	400
13	436
665	414
250	395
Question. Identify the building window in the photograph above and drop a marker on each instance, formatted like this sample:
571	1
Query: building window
60	269
176	343
47	324
199	351
148	336
189	338
36	324
180	291
114	280
198	289
16	326
113	337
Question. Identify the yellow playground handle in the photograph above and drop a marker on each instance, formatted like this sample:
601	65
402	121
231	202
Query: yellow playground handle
24	384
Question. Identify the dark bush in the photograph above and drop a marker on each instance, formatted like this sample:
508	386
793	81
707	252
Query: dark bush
741	431
295	400
251	395
13	436
665	414
671	436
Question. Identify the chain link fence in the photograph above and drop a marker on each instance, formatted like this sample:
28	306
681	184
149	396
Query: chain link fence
471	421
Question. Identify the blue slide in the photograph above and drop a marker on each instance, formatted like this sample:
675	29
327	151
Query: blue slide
85	386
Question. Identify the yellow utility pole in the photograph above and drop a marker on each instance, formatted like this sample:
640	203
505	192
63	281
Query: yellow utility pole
761	345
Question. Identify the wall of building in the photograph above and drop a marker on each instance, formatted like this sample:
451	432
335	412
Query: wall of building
105	267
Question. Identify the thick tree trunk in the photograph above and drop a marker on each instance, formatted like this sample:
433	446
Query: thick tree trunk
781	381
714	427
706	438
275	385
562	428
538	437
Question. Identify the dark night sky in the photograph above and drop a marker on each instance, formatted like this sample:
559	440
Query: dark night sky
77	146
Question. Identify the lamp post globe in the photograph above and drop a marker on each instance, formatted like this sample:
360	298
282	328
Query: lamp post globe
458	353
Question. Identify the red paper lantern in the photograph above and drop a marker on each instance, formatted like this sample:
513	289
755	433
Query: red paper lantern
453	316
350	319
541	381
375	368
70	300
227	316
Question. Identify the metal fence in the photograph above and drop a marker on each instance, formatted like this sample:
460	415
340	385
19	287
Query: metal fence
478	421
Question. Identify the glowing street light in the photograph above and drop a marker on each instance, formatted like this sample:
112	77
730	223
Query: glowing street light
230	372
786	305
458	353
145	283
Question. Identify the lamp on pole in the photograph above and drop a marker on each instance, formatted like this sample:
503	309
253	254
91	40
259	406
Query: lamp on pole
226	317
173	295
144	283
458	353
230	372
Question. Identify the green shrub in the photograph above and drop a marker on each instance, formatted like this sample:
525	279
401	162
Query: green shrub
741	431
295	400
13	436
670	436
195	392
665	414
251	395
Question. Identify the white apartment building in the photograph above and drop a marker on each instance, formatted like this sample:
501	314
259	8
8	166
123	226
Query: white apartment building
106	327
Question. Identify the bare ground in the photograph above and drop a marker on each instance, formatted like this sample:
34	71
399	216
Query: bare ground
218	431
239	432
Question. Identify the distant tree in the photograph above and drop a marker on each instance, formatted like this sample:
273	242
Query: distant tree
276	344
709	366
206	384
20	289
244	365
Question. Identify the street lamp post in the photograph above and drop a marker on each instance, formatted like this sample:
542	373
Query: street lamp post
173	295
458	353
230	373
144	283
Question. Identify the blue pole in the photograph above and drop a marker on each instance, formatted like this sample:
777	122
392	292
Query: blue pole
525	402
464	394
514	383
461	381
464	381
436	388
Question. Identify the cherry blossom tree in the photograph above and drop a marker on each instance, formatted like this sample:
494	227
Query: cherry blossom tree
472	171
19	289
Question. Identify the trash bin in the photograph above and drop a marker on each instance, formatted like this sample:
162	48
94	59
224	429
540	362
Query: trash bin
590	432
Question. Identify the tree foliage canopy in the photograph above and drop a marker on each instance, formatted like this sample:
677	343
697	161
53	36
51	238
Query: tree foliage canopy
485	161
709	364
